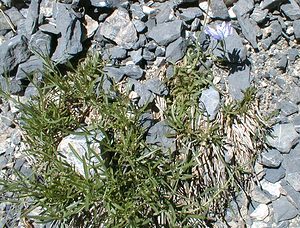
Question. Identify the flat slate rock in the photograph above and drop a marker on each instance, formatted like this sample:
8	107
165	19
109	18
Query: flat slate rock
219	10
13	52
284	209
271	158
119	28
239	81
273	175
291	10
283	137
167	32
176	50
70	28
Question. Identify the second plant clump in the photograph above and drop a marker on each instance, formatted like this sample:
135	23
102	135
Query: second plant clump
133	183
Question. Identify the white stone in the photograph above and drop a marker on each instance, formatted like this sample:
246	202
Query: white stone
261	212
148	10
79	142
90	25
273	189
232	15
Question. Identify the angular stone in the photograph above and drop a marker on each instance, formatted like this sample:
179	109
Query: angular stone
259	196
13	52
271	158
274	189
90	26
283	137
219	10
259	15
119	28
210	99
156	86
283	209
243	7
248	29
143	96
160	134
292	195
13	15
69	44
291	10
118	53
49	28
108	3
148	55
294	180
139	26
40	43
176	50
189	14
31	22
136	56
260	212
165	14
137	12
296	26
79	141
274	175
32	67
239	81
282	62
288	108
115	73
133	71
171	31
160	51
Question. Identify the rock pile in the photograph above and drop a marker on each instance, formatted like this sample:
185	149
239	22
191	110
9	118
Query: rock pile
134	38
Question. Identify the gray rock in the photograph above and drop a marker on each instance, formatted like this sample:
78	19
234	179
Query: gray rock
69	44
171	31
156	86
292	195
136	56
210	99
140	43
283	137
293	53
33	67
139	26
282	62
148	55
291	10
243	7
189	14
235	51
160	134
11	14
13	52
170	72
248	29
219	10
296	122
239	81
259	196
270	4
266	43
259	15
196	24
119	28
151	46
273	175
118	53
31	91
133	71
115	73
137	12
165	14
293	178
271	158
80	142
160	51
288	108
41	44
146	120
276	30
176	50
144	95
31	22
283	209
296	26
49	28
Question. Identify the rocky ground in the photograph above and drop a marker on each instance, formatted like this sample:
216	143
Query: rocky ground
144	36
